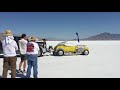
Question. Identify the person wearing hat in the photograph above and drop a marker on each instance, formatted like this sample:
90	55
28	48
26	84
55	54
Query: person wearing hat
32	56
10	47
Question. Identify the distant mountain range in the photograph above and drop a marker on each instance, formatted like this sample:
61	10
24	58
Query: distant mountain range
101	36
104	36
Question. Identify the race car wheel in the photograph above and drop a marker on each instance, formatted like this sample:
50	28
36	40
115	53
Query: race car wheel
60	52
86	52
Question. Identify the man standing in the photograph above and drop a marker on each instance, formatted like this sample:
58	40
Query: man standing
10	47
23	47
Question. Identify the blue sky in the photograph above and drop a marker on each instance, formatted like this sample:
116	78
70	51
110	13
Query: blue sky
61	25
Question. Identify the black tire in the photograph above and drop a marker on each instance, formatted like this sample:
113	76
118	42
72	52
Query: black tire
86	52
40	53
54	53
60	52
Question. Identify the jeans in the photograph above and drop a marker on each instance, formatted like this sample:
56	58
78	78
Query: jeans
32	62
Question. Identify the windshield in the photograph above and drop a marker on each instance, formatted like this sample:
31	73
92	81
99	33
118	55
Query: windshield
61	43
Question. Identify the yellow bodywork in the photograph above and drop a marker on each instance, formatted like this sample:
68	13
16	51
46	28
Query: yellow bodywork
73	49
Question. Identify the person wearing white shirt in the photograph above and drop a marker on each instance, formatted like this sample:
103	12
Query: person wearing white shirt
32	57
23	48
10	47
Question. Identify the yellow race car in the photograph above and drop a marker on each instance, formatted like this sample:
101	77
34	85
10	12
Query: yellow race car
65	47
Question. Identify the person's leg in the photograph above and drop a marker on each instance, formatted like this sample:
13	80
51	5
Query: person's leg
5	66
20	64
29	69
24	67
29	66
25	63
35	67
13	66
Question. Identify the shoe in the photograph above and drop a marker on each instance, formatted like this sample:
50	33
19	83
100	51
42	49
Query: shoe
20	71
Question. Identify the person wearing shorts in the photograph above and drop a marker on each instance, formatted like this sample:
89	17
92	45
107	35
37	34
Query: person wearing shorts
23	46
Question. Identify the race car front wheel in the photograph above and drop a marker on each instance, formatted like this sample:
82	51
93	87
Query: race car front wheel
86	52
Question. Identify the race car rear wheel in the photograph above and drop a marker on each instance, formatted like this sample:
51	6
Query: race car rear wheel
60	52
86	52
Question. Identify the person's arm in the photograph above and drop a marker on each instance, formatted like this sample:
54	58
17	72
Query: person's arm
19	43
16	46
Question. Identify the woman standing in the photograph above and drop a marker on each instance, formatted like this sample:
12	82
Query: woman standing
32	57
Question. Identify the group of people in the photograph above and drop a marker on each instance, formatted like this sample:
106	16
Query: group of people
29	54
